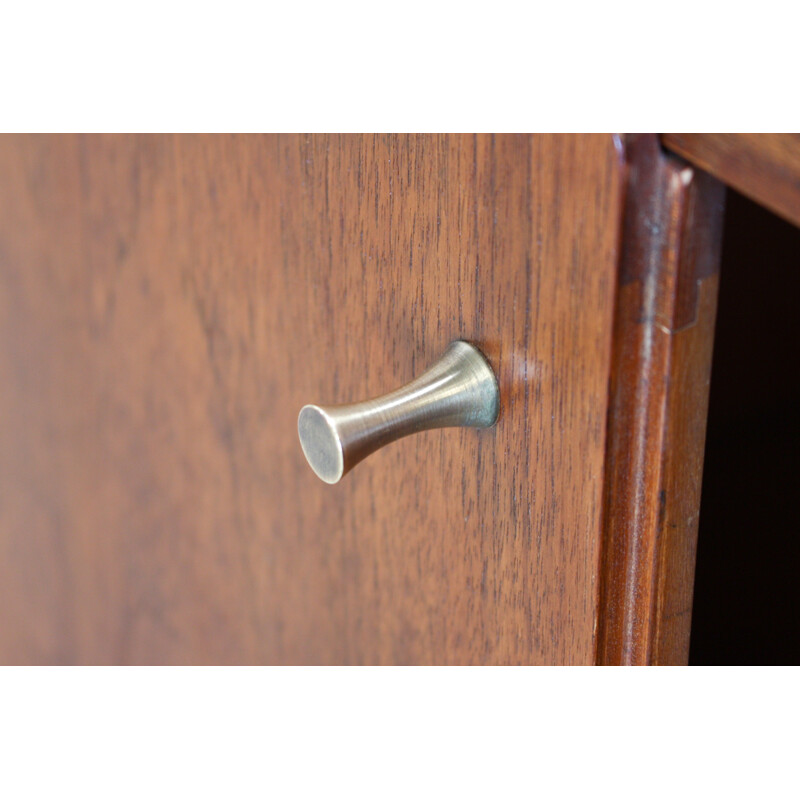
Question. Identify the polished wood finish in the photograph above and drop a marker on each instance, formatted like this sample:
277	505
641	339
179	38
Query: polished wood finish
762	166
167	304
661	367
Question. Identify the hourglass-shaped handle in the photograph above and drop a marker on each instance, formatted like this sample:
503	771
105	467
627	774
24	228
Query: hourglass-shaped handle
459	390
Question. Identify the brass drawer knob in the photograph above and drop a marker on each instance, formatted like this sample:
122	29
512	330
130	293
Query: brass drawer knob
459	390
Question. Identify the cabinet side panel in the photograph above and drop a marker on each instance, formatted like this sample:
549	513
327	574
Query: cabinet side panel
660	375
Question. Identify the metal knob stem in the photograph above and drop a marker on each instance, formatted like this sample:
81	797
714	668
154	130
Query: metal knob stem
459	390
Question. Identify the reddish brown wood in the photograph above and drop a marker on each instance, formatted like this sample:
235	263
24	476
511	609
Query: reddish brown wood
661	365
763	166
167	304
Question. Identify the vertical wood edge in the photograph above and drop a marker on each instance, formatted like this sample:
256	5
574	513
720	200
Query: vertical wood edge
658	395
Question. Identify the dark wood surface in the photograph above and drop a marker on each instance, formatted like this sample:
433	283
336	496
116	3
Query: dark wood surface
167	304
762	166
661	368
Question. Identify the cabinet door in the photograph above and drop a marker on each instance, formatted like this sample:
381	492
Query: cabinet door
167	305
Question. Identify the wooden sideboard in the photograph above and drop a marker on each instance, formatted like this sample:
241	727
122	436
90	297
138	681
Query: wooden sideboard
167	305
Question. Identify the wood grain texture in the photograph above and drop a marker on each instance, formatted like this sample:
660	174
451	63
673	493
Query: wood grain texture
762	166
663	338
167	304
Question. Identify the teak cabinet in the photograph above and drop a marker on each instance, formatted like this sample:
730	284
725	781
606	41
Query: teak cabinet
168	304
